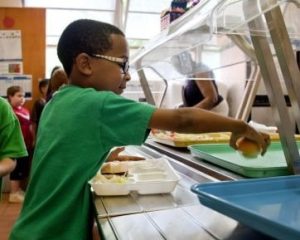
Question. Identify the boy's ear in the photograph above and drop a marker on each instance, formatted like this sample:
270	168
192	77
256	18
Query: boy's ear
82	62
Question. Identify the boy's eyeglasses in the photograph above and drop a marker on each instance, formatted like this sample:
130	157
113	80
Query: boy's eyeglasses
122	62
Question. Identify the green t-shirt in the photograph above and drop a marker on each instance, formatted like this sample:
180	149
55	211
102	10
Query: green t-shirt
11	139
78	127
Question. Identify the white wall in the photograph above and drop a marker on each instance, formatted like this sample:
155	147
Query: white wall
233	77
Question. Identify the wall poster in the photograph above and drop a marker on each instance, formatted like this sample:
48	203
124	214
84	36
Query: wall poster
11	63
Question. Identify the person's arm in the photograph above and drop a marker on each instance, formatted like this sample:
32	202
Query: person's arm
7	165
33	130
33	118
195	120
11	140
208	90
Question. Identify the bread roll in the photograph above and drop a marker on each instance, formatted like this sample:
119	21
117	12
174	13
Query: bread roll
114	167
248	148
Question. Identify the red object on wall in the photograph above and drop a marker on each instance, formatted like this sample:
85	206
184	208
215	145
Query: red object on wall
8	22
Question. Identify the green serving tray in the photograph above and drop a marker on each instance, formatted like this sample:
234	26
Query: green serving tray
273	163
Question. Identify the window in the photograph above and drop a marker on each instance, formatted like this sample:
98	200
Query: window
71	4
143	20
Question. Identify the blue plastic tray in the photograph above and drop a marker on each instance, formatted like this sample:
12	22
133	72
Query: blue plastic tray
269	205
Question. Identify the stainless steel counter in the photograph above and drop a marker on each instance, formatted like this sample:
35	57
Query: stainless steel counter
178	215
183	155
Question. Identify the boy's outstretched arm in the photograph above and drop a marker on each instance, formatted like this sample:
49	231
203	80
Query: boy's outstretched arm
195	120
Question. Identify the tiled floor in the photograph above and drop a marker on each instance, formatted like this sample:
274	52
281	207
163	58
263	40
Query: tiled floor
8	215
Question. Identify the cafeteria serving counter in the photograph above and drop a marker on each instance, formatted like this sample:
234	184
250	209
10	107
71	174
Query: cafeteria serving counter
178	215
183	155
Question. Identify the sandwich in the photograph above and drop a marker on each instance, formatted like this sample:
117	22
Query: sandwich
115	167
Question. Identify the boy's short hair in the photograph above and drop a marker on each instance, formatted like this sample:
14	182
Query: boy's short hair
12	90
43	83
84	36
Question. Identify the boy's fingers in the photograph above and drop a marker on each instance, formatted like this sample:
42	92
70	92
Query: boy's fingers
118	150
262	139
115	153
232	141
266	143
129	158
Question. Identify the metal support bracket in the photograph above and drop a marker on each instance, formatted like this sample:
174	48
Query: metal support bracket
272	84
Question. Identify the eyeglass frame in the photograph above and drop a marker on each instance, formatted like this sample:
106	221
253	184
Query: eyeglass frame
122	62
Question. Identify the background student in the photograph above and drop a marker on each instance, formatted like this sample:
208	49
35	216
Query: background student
15	96
58	78
39	105
11	140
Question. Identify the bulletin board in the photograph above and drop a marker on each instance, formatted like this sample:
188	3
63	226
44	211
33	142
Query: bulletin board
11	63
24	81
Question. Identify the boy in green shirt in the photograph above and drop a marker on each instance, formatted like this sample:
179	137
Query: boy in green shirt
11	139
86	119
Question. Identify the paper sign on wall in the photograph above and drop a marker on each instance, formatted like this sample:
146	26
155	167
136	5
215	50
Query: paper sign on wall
10	45
24	81
10	52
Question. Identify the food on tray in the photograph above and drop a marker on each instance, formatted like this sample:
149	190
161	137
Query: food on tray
248	148
276	137
114	168
151	176
185	139
99	178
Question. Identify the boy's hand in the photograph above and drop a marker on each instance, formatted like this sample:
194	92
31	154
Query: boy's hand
261	139
114	156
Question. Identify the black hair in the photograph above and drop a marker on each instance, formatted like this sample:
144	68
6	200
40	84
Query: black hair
43	83
84	36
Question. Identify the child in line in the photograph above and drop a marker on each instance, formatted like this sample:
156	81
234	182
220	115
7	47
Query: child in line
15	96
11	140
39	105
58	78
87	118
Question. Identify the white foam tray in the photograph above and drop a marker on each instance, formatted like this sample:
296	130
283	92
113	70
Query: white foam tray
150	176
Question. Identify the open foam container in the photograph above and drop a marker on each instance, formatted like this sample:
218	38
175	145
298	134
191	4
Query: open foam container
150	176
